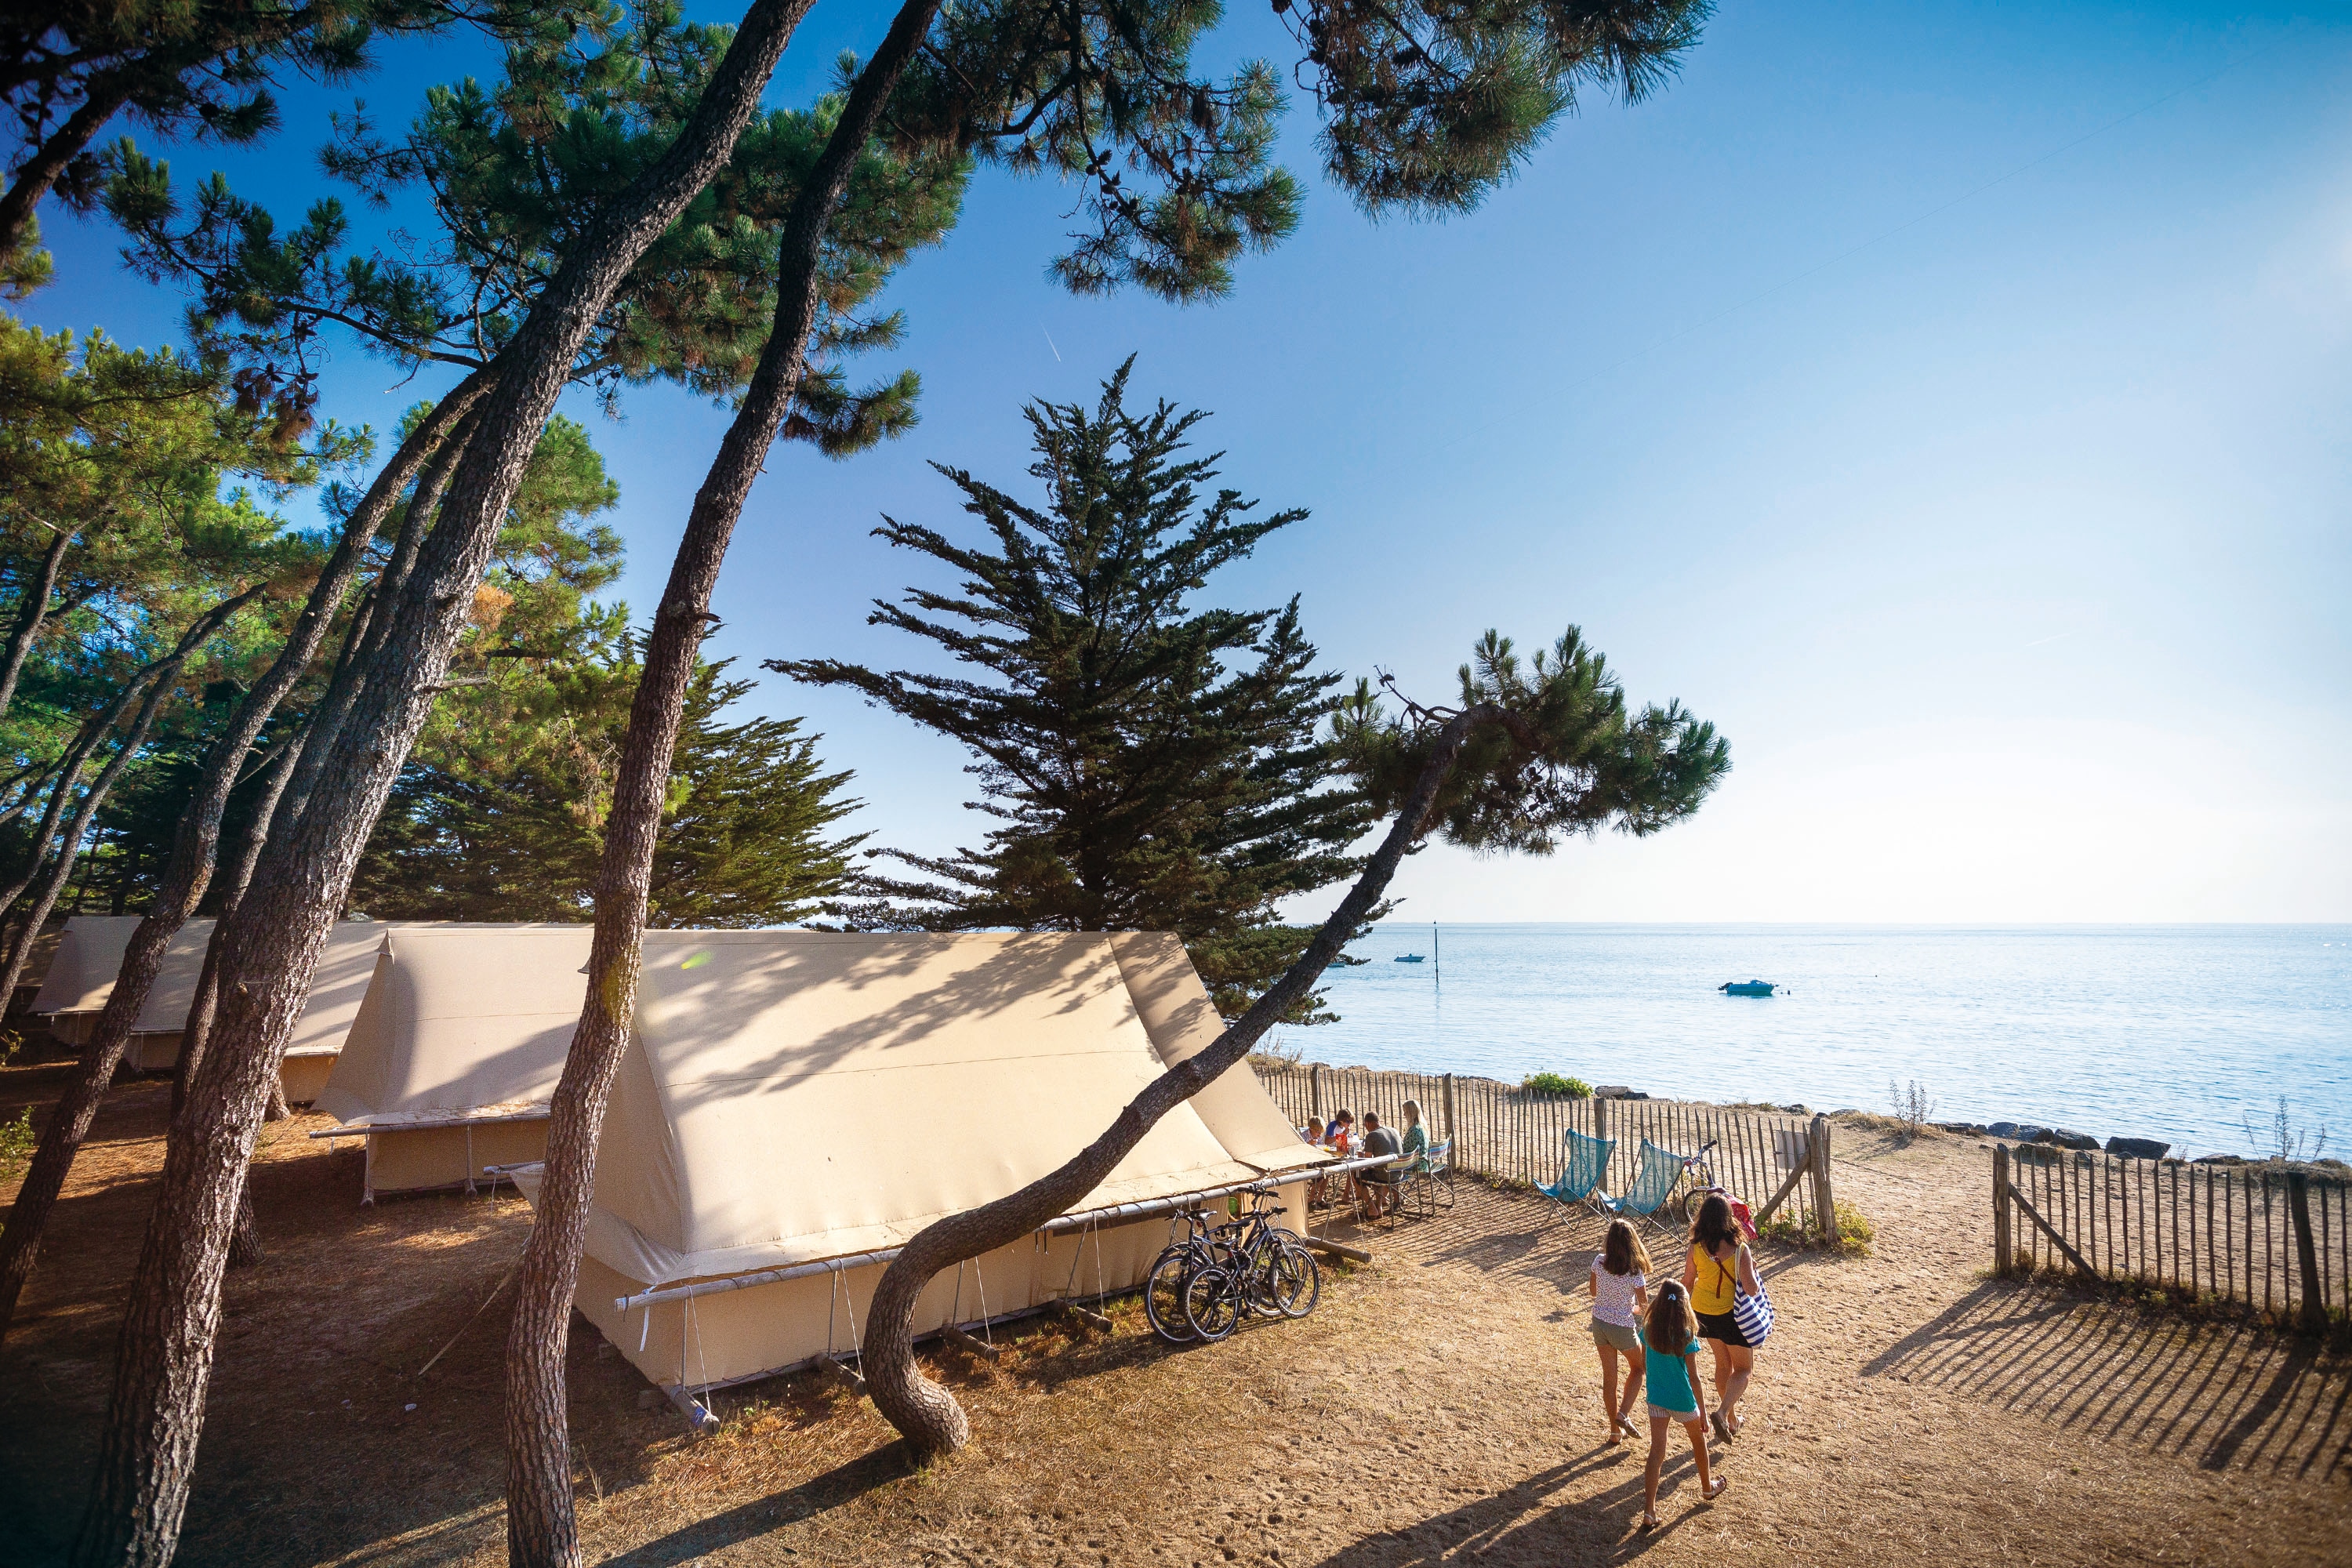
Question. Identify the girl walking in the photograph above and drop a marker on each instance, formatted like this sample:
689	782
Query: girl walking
1620	1282
1670	1345
1719	1267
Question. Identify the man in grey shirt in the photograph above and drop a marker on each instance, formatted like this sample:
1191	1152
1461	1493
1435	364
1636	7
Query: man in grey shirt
1378	1181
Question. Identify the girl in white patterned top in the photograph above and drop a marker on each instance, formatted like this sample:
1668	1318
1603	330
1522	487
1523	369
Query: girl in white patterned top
1621	1292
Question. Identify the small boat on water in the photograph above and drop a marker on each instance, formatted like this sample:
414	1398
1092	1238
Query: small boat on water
1746	988
1409	958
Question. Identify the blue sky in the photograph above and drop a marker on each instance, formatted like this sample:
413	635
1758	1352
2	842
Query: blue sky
1948	401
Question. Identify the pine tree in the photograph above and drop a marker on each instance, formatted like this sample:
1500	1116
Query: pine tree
742	844
1153	763
1539	750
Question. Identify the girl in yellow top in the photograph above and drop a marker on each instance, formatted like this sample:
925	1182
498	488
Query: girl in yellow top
1719	1259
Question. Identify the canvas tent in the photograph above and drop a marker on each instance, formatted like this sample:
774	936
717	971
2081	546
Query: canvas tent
456	1048
36	970
89	956
794	1103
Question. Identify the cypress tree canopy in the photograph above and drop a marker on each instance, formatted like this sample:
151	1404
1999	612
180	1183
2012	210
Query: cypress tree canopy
1152	764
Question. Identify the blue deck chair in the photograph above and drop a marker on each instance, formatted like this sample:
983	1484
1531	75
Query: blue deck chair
1584	1162
1654	1183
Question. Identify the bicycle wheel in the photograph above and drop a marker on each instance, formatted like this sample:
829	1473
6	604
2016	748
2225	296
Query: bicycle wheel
1164	1293
1259	1297
1297	1282
1212	1303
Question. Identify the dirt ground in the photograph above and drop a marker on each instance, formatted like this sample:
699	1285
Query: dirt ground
1441	1406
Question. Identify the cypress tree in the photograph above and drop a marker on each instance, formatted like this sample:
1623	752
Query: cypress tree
1151	763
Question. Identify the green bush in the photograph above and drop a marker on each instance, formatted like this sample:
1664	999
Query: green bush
1853	1238
17	1140
1553	1083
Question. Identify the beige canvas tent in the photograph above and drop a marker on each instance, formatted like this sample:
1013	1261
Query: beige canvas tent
449	1064
36	970
794	1105
90	955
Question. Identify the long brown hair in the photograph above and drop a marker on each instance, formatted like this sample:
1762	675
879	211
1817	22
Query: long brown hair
1621	1251
1713	1230
1672	1325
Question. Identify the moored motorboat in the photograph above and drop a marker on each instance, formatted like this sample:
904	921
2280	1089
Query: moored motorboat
1746	988
1409	958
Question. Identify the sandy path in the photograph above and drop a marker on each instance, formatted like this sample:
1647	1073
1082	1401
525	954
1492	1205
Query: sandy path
1441	1406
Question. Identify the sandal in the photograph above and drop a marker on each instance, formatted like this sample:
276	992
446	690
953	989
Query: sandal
1651	1521
1708	1494
1722	1432
1625	1425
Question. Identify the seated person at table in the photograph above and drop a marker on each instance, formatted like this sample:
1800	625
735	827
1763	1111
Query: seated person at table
1416	1136
1313	1133
1340	1136
1379	1182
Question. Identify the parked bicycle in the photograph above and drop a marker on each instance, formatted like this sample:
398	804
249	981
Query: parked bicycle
1203	1285
1697	1183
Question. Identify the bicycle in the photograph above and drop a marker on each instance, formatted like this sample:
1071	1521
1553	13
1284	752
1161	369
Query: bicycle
1163	1286
1695	1184
1694	1180
1260	1269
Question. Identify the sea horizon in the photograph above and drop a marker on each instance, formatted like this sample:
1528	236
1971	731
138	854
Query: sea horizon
2183	1031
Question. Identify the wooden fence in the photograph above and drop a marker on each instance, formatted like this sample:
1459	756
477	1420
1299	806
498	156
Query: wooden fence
2277	1239
1778	1165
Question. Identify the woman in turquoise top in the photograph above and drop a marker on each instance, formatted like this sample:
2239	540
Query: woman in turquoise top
1416	1136
1670	1365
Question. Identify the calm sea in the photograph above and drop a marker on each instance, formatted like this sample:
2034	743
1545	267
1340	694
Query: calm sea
2182	1033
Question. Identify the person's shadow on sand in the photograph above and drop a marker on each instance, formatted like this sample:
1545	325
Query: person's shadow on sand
1521	1525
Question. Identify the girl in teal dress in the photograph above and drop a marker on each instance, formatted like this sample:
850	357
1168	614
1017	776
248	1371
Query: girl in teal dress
1670	1364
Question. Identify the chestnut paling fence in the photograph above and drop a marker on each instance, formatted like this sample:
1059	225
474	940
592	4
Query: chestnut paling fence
2275	1238
1777	1163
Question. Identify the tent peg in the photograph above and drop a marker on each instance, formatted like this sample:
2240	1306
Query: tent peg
956	1336
697	1416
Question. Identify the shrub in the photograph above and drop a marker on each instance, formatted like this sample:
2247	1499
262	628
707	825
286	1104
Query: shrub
17	1142
1912	1109
1553	1083
1854	1237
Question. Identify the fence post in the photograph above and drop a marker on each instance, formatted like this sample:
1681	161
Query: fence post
2003	1255
1315	1092
1825	1204
1449	1112
2313	1315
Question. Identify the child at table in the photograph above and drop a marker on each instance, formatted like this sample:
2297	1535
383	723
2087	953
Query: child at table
1670	1347
1341	1133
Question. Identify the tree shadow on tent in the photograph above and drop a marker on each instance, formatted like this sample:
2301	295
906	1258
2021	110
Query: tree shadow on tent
820	1494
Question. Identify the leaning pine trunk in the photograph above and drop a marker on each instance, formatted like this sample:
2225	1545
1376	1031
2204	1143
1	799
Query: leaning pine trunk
371	624
541	1529
60	869
190	867
269	951
29	616
926	1414
199	1029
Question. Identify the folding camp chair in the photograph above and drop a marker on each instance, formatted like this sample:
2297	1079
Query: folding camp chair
1584	1162
1654	1183
1427	1184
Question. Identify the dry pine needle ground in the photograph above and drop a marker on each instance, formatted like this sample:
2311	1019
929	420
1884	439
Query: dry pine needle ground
1441	1406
